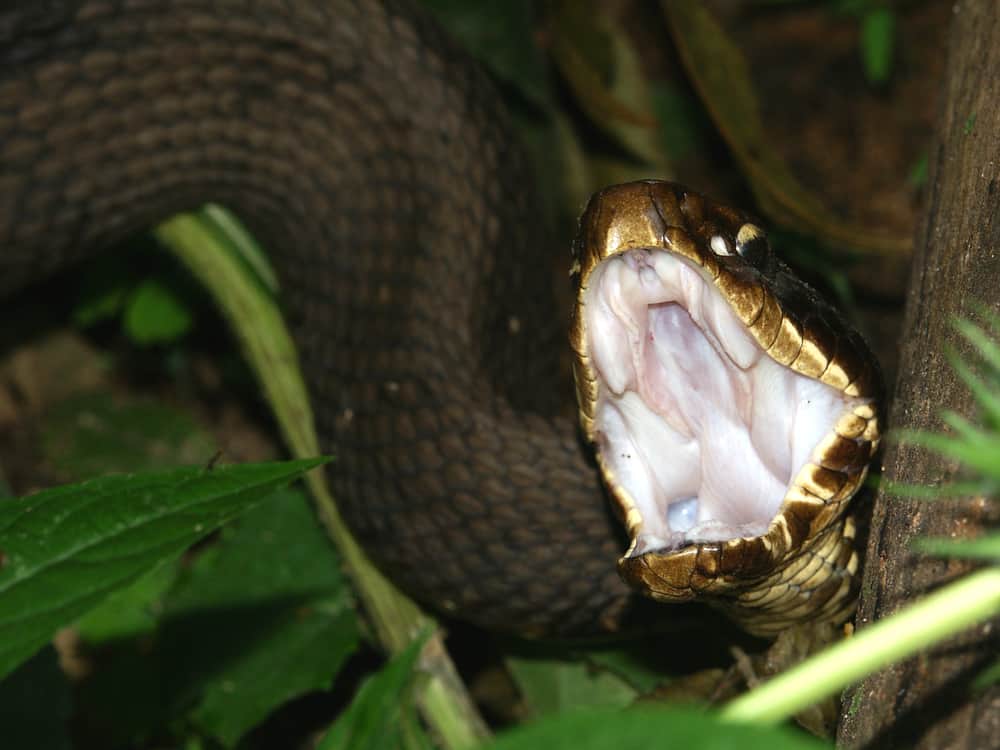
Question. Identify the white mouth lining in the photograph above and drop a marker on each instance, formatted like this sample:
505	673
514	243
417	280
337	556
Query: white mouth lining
701	430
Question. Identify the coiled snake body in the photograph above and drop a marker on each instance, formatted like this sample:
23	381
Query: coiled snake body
371	158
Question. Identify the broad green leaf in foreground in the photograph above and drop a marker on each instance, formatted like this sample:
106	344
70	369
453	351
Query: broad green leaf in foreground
65	549
260	617
278	564
644	728
372	721
130	611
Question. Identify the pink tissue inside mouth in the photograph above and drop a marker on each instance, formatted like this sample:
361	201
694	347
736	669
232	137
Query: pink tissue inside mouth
700	427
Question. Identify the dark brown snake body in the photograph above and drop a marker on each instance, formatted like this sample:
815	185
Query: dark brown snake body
372	160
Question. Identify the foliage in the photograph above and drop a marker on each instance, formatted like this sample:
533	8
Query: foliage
67	548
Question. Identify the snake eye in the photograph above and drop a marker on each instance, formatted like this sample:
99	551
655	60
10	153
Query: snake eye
751	244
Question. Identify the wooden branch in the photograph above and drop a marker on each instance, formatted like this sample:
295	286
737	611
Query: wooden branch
927	702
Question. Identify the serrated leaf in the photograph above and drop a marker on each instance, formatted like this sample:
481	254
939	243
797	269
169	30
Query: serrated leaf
277	561
154	314
372	721
644	728
66	549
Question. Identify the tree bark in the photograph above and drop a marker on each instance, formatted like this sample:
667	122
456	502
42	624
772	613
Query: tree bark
927	701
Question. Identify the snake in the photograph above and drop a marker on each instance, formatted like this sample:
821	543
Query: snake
726	413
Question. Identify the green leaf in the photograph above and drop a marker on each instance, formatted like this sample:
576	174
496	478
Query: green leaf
988	349
644	728
374	714
278	563
878	36
965	430
949	490
155	314
100	433
36	703
100	302
987	398
131	611
231	234
256	320
985	547
554	685
980	455
66	549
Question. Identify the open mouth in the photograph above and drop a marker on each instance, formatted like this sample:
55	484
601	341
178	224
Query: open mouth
732	408
700	432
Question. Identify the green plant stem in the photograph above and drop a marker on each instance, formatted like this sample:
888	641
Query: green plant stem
953	608
258	324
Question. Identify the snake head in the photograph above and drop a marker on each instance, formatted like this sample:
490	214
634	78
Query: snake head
732	409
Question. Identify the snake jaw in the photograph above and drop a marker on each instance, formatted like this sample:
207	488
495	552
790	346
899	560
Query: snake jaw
682	343
699	430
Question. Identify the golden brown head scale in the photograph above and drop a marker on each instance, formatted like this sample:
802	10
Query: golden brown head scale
803	565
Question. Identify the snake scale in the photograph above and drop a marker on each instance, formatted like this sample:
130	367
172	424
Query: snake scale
371	157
